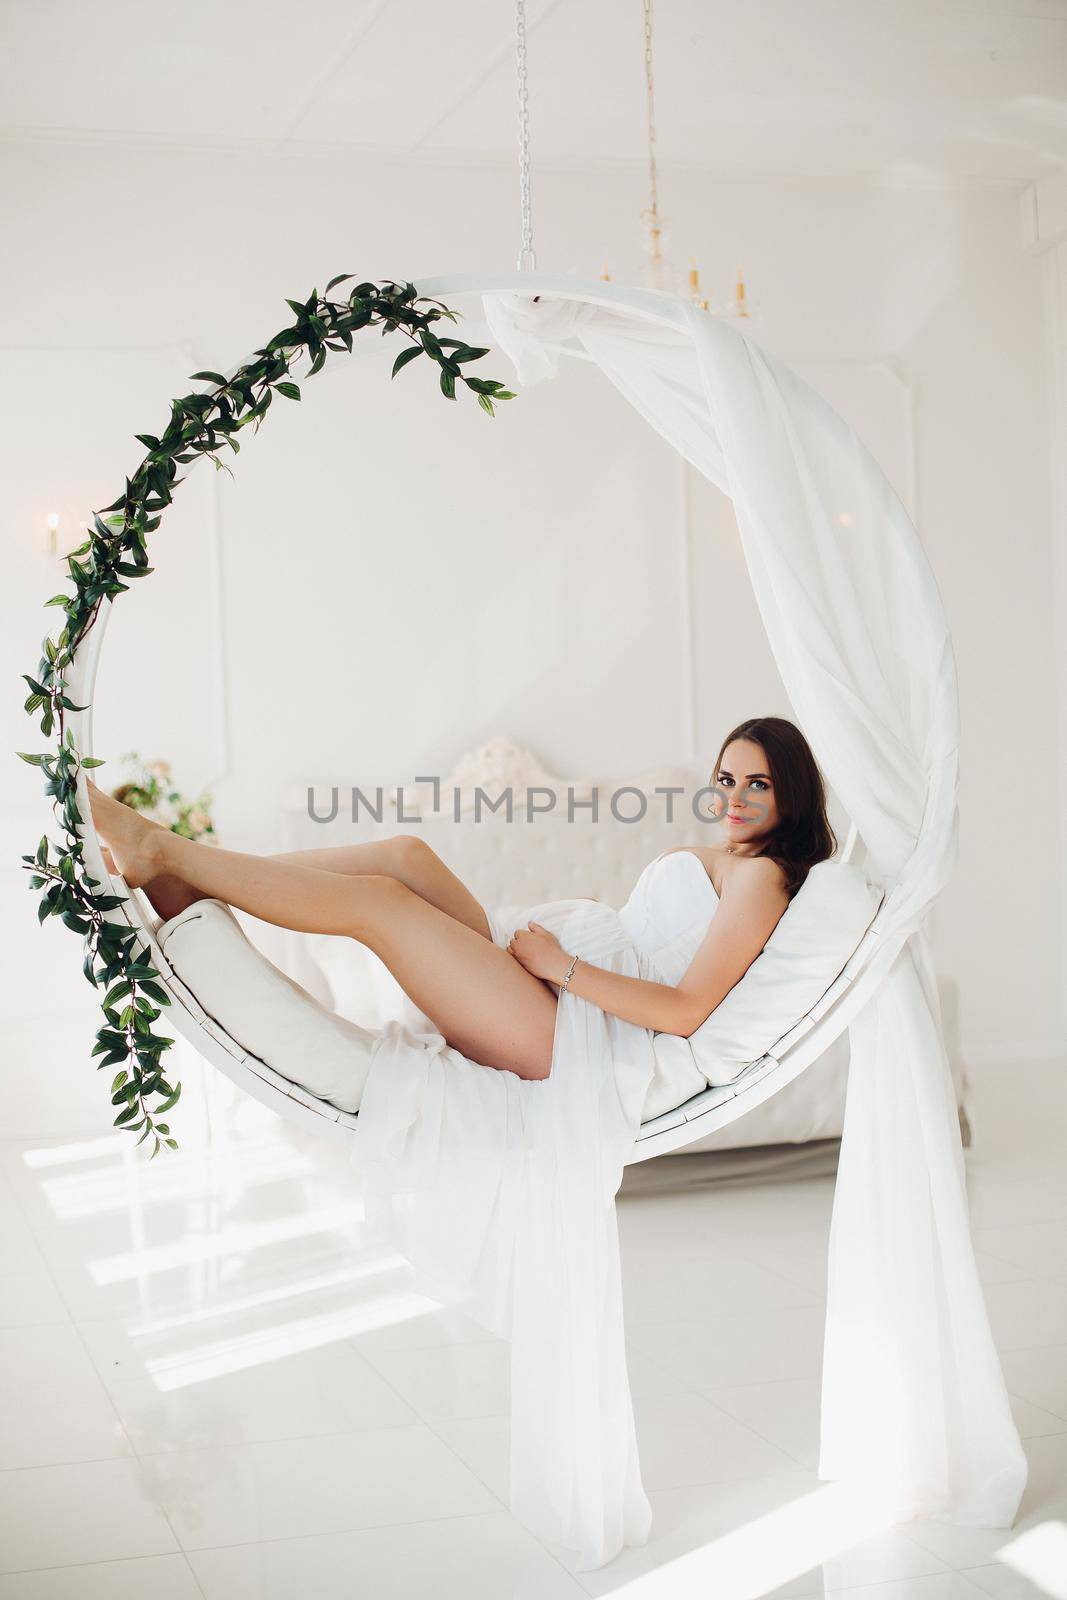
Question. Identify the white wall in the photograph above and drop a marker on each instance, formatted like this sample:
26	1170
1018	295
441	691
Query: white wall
391	579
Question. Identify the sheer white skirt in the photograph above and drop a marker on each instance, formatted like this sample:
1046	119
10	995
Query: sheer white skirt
500	1192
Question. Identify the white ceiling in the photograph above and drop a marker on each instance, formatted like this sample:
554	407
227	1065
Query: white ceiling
893	89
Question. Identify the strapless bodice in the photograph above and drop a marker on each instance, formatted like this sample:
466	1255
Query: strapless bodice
668	912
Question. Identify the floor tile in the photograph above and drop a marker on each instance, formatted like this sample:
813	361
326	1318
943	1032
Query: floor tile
685	1439
1003	1583
1030	1311
1039	1376
786	1413
285	1488
663	1289
695	1531
1039	1248
462	1380
884	1559
463	1558
1032	1422
934	1586
276	1400
161	1577
747	1347
30	1298
53	1406
481	1443
91	1511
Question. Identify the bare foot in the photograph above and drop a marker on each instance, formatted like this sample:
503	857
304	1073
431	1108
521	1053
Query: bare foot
134	841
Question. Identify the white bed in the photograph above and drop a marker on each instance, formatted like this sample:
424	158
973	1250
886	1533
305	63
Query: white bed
525	861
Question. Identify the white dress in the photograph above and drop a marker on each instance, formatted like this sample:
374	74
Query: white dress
500	1192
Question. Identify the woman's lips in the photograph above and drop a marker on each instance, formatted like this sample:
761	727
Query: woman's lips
732	818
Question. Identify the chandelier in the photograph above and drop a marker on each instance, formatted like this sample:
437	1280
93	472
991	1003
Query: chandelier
658	271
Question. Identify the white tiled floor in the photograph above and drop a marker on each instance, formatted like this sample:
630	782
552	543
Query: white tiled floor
213	1386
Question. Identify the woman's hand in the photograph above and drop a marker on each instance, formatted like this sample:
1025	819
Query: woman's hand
540	952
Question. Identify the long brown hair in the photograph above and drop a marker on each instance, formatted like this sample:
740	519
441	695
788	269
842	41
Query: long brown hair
802	835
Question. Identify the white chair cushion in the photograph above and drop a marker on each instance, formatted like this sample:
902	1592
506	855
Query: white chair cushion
818	931
262	1008
275	1019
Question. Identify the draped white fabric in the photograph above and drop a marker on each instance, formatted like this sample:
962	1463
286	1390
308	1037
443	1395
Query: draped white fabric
913	1395
501	1192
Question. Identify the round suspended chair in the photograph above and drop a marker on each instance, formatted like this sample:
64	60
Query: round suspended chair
858	632
804	1041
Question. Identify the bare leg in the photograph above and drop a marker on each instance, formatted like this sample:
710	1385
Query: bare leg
410	860
405	857
478	996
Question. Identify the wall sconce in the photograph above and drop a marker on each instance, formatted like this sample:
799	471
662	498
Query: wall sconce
61	535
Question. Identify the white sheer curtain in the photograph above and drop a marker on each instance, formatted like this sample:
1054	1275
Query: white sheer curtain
501	1192
913	1396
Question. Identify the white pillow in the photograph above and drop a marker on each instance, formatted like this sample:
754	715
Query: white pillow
262	1008
812	941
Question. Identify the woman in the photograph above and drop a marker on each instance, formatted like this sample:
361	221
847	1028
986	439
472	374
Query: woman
495	998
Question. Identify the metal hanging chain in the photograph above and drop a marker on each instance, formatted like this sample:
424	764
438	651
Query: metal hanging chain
653	177
654	223
527	259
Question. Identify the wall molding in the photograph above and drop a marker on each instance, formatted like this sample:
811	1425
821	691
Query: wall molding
335	153
1043	220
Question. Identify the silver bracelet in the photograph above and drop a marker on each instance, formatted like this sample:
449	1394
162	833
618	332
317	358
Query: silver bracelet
567	979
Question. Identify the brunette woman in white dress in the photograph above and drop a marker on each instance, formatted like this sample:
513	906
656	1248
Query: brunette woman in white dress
496	1003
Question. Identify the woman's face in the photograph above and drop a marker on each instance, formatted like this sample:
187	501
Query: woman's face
746	808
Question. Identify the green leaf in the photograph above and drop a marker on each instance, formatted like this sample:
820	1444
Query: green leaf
155	991
172	1099
448	385
404	357
206	377
290	390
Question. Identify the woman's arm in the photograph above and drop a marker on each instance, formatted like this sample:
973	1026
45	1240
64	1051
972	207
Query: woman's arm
752	902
